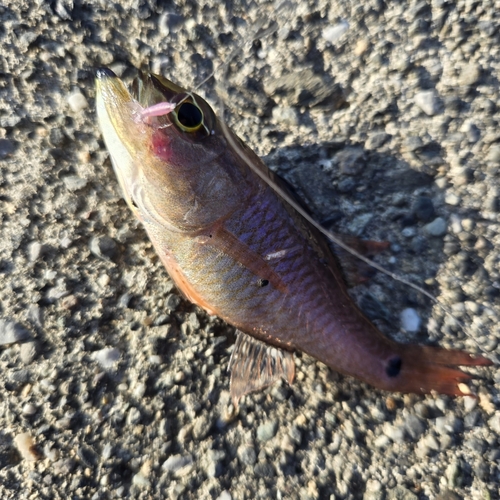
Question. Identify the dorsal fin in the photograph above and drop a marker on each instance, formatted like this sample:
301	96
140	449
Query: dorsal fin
255	365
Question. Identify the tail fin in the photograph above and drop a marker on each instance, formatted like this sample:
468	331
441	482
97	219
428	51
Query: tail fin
423	369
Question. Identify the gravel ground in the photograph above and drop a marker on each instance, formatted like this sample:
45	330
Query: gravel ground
383	117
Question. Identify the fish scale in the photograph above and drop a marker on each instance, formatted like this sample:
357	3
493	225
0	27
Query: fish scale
214	222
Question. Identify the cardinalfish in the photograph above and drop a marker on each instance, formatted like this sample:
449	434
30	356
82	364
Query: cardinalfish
237	249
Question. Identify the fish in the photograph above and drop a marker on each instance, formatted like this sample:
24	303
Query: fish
238	250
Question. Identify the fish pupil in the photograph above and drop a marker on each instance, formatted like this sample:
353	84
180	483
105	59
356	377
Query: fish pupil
189	115
394	367
263	282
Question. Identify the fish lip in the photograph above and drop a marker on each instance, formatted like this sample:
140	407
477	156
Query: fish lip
103	73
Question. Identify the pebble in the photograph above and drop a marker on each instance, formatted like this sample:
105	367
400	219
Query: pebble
395	433
494	423
427	101
6	148
351	161
286	115
29	351
423	208
494	154
140	480
470	75
264	469
107	357
247	455
74	182
452	474
35	315
376	140
438	227
172	302
29	410
103	247
414	427
225	495
333	33
179	465
410	320
412	144
77	101
401	493
26	447
201	427
12	332
409	232
267	431
35	251
452	199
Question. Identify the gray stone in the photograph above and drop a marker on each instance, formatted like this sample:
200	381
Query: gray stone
376	140
6	148
469	75
410	320
438	227
176	463
74	183
286	115
351	161
264	469
103	247
12	332
427	101
29	351
414	427
401	493
267	431
494	154
247	455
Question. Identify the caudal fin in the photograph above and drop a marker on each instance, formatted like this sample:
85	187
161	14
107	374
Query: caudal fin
423	369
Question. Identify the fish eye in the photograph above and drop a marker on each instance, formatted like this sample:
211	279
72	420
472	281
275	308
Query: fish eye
189	117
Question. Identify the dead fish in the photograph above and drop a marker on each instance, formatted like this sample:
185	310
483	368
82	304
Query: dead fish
236	249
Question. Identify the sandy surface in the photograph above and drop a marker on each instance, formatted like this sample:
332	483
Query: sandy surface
114	387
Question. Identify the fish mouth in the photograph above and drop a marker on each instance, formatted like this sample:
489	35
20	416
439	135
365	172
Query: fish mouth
147	88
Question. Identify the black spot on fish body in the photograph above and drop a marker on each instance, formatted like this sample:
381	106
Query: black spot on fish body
263	282
394	367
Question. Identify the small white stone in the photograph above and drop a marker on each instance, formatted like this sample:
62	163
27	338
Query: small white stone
107	357
333	33
410	320
452	199
427	102
77	101
12	332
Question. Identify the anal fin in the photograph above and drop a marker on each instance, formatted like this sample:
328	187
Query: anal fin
255	365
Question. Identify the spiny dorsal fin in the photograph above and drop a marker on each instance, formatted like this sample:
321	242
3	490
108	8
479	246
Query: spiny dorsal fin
255	365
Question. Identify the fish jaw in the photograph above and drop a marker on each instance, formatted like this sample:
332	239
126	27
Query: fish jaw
118	116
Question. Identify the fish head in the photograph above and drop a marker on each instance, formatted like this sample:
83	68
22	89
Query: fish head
169	151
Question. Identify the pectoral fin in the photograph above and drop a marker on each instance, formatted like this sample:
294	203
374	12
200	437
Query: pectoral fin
222	239
255	365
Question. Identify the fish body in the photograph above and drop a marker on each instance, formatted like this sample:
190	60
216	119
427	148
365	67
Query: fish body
236	249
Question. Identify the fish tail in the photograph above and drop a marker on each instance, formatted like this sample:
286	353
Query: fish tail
423	369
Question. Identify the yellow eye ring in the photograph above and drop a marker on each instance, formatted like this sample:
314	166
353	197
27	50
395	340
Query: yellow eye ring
188	117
